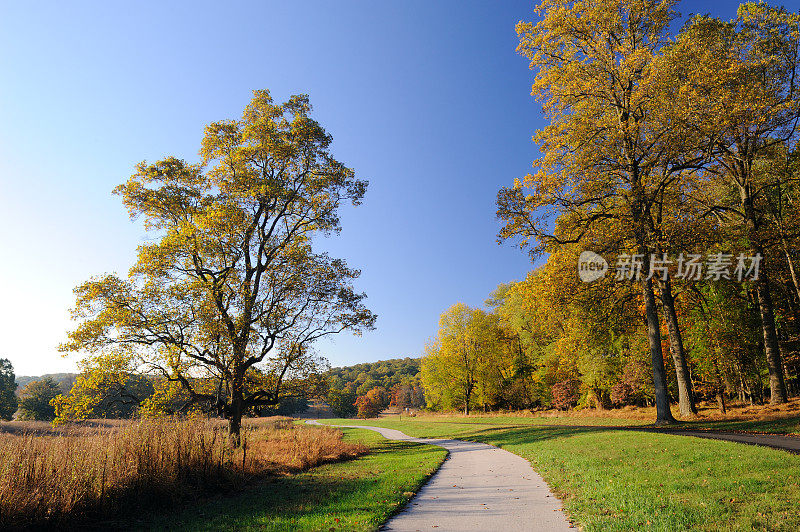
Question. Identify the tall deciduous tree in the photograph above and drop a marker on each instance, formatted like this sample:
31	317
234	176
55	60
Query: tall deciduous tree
606	155
230	291
738	86
8	386
451	362
469	360
36	400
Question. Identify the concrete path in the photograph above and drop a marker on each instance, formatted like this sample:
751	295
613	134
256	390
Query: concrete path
478	488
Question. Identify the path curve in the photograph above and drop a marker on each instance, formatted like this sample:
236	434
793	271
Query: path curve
479	487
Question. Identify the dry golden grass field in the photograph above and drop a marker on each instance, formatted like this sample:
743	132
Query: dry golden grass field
88	472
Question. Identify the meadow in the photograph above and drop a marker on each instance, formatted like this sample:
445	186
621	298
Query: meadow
183	473
88	473
356	496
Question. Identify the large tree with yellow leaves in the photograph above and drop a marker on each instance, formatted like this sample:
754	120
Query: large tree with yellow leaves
608	160
230	291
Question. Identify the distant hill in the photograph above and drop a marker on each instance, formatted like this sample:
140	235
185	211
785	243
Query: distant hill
64	380
361	378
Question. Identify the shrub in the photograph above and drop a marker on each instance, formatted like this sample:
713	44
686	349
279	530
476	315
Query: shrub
372	403
621	394
565	393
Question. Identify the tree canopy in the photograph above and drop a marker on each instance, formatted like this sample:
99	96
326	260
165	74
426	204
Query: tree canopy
8	386
672	158
229	296
35	401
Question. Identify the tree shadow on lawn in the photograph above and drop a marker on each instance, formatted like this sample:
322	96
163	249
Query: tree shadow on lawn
45	428
501	437
275	504
784	425
515	436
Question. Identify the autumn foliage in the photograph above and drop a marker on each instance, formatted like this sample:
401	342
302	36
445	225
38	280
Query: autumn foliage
659	144
565	394
229	296
372	403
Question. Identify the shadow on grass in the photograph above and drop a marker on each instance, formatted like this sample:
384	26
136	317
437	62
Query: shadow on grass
518	435
319	494
45	428
785	425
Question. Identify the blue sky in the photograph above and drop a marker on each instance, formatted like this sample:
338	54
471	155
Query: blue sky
426	100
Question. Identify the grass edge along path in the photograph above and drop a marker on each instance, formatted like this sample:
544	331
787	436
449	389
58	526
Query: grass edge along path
355	495
629	480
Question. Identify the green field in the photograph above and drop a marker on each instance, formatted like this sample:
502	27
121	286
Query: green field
351	496
789	425
621	480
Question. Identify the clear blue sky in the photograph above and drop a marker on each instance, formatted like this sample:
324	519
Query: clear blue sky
427	100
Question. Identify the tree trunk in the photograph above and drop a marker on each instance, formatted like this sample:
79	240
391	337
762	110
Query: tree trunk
777	386
663	412
235	420
720	388
792	272
721	400
685	393
598	400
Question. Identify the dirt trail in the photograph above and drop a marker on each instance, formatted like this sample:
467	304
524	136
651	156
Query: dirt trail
478	488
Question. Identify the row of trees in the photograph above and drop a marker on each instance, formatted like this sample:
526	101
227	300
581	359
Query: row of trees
657	145
101	392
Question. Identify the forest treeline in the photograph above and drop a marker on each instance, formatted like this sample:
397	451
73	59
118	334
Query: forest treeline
669	173
367	389
364	389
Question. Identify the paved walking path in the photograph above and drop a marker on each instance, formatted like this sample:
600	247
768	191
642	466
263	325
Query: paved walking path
478	488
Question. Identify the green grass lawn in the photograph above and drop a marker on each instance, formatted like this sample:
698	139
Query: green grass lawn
350	496
622	480
789	425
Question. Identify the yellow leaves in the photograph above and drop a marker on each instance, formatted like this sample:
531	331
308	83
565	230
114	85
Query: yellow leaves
98	375
468	359
166	394
736	73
